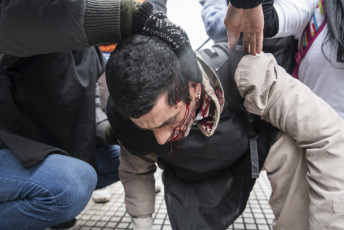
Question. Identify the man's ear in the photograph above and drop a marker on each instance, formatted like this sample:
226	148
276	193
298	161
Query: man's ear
194	89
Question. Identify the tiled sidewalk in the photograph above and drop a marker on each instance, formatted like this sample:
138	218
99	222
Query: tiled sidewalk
112	215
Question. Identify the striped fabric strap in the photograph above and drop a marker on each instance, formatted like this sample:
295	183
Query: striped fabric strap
312	30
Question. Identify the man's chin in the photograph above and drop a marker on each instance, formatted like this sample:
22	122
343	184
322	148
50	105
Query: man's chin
177	139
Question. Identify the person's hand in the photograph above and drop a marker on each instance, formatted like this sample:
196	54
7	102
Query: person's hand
248	21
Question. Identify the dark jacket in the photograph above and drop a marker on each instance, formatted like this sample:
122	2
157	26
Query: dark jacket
245	4
48	71
200	163
47	104
35	27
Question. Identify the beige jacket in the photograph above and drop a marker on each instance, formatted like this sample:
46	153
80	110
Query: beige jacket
291	107
314	127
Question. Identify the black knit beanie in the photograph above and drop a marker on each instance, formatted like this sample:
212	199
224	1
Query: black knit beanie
147	22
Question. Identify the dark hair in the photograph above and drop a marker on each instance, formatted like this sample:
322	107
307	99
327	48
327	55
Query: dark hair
334	11
139	70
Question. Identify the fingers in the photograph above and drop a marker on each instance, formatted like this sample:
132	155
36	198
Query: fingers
246	42
253	48
233	22
249	43
248	21
253	43
233	38
259	42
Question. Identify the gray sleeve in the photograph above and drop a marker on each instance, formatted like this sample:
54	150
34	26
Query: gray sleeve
36	27
213	13
137	176
102	123
100	114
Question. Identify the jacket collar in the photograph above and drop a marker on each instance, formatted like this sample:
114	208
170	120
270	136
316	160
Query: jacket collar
213	99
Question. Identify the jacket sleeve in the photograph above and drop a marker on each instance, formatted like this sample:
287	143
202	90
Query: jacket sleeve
245	4
137	176
36	27
292	107
213	13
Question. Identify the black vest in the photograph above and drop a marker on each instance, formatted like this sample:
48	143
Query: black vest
201	167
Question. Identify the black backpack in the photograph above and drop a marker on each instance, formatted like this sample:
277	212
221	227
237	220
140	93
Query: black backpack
216	202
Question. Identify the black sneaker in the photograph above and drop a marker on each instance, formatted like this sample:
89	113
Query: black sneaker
68	225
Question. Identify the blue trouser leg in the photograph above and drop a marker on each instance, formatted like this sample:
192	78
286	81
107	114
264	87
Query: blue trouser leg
107	162
107	157
53	191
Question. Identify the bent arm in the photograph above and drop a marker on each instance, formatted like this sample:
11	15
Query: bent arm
285	102
292	107
36	27
137	176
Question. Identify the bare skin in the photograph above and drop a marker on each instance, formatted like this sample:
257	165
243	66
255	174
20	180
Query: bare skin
165	119
248	21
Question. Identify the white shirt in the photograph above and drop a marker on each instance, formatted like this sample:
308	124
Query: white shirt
324	78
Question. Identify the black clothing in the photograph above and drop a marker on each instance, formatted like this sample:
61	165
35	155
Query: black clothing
219	165
245	4
50	101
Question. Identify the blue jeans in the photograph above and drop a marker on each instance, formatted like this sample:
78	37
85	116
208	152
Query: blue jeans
107	162
51	192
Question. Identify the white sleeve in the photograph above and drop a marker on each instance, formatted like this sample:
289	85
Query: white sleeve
293	16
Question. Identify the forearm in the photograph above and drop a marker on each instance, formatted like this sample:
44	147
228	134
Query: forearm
285	102
36	27
137	176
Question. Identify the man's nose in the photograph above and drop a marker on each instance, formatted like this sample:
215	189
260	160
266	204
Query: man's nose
161	135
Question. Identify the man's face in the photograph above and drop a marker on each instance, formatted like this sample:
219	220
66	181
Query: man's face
170	123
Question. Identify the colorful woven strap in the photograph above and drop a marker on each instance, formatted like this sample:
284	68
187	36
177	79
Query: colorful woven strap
312	30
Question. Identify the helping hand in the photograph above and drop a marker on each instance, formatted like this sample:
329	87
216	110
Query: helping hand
248	21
